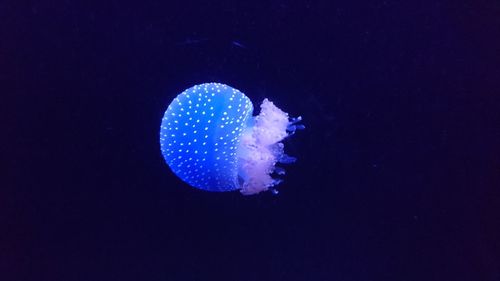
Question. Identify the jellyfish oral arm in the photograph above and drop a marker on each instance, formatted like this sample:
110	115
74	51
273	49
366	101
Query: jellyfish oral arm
261	149
293	126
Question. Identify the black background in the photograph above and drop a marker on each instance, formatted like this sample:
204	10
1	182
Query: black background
398	172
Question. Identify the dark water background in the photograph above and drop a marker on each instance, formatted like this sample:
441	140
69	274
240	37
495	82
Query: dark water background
399	167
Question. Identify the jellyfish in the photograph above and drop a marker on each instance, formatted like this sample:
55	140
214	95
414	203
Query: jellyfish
210	139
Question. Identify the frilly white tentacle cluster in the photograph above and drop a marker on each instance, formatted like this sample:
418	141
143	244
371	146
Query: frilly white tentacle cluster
260	149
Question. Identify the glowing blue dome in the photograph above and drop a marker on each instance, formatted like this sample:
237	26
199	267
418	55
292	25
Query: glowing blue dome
211	141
